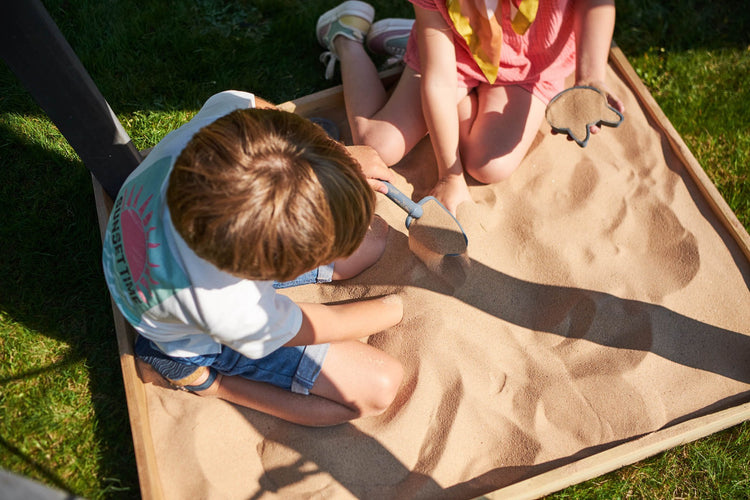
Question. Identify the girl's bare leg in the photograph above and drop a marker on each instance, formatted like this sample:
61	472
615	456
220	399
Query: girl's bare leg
506	122
391	125
364	94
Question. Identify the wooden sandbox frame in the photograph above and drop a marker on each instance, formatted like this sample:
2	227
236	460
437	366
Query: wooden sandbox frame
321	104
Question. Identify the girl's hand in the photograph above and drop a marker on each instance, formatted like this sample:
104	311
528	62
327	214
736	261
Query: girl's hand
451	191
612	99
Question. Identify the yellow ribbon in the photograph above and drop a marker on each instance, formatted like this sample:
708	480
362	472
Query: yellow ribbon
525	16
483	32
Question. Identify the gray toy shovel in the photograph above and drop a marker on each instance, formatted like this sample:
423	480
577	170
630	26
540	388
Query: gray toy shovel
431	223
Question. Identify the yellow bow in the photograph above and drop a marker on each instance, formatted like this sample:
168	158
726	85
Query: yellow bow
482	30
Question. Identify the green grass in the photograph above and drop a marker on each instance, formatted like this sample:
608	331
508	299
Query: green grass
63	418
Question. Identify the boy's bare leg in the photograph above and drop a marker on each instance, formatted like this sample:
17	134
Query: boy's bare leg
359	377
356	380
368	253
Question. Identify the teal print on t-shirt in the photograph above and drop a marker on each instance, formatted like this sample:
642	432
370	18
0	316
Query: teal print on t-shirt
146	272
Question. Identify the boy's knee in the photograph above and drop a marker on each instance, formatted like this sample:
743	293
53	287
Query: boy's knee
385	386
368	253
378	235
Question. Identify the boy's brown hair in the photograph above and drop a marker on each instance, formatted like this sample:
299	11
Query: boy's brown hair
267	195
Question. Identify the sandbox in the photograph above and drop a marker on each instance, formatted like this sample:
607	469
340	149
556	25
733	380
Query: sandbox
603	316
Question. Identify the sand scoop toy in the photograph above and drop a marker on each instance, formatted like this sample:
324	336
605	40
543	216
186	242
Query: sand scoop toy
429	222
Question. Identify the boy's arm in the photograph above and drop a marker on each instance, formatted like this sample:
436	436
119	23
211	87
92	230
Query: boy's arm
372	166
323	323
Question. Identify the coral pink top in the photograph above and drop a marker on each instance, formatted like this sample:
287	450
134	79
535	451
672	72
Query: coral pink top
538	61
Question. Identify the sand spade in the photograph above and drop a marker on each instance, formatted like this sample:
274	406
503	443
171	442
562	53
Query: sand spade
430	223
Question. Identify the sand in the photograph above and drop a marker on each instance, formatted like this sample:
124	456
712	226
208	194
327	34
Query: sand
600	299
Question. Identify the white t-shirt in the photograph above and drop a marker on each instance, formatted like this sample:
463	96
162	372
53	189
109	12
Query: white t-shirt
183	303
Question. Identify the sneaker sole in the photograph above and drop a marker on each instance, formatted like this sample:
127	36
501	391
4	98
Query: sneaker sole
384	25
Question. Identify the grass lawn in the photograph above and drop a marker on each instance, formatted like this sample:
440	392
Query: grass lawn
63	419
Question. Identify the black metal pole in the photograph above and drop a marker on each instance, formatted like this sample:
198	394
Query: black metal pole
37	52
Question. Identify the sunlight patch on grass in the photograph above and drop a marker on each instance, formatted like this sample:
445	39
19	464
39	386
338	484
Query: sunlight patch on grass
46	417
147	128
38	130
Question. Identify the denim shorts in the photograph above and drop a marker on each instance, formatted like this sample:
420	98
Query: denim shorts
322	274
291	368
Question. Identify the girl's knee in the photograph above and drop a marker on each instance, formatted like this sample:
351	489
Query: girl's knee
381	136
495	170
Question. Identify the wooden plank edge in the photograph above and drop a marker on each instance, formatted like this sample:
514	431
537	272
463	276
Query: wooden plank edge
699	176
622	455
332	97
309	104
135	394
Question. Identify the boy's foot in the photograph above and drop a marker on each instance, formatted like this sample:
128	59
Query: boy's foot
351	20
389	37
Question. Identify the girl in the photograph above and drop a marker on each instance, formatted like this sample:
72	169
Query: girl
479	75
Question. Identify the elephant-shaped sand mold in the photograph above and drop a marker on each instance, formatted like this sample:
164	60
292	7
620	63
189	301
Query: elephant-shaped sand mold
574	110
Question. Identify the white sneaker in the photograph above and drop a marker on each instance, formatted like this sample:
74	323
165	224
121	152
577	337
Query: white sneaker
389	37
351	19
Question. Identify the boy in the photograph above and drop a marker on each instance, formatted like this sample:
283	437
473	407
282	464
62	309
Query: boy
223	211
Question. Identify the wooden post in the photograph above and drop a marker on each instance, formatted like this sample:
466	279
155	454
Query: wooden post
36	51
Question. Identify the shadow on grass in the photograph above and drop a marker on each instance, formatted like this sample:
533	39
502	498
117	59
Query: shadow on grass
47	475
682	25
51	282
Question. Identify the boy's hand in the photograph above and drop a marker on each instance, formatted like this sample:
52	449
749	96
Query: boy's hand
372	166
323	323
